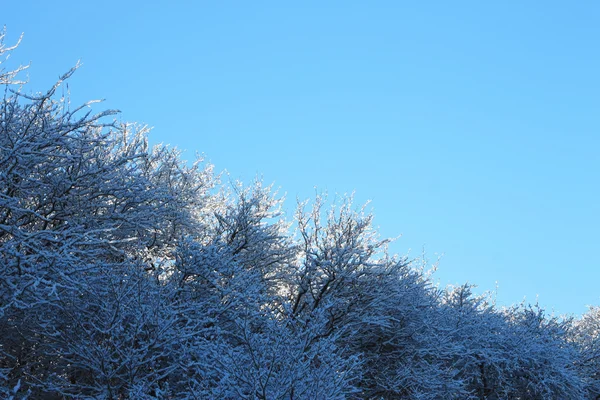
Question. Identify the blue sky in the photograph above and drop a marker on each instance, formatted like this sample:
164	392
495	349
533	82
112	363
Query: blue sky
473	127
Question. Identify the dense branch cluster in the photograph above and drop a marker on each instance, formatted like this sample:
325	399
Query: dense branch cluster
127	273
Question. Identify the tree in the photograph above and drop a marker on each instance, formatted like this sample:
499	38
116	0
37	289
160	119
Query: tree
231	290
586	336
515	353
373	304
129	273
83	203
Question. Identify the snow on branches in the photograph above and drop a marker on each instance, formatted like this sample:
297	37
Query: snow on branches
126	272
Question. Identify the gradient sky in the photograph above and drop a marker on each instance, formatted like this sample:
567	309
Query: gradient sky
474	127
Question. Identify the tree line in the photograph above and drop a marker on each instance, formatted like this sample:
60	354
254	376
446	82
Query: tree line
126	272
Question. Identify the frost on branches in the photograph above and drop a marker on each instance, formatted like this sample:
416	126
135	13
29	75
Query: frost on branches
128	273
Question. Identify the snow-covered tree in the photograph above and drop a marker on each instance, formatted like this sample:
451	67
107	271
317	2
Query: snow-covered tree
514	353
82	201
586	336
127	272
231	289
373	304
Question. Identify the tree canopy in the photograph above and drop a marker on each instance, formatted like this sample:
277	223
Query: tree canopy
127	272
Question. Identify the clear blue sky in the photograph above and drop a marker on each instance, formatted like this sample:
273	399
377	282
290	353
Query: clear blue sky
474	127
